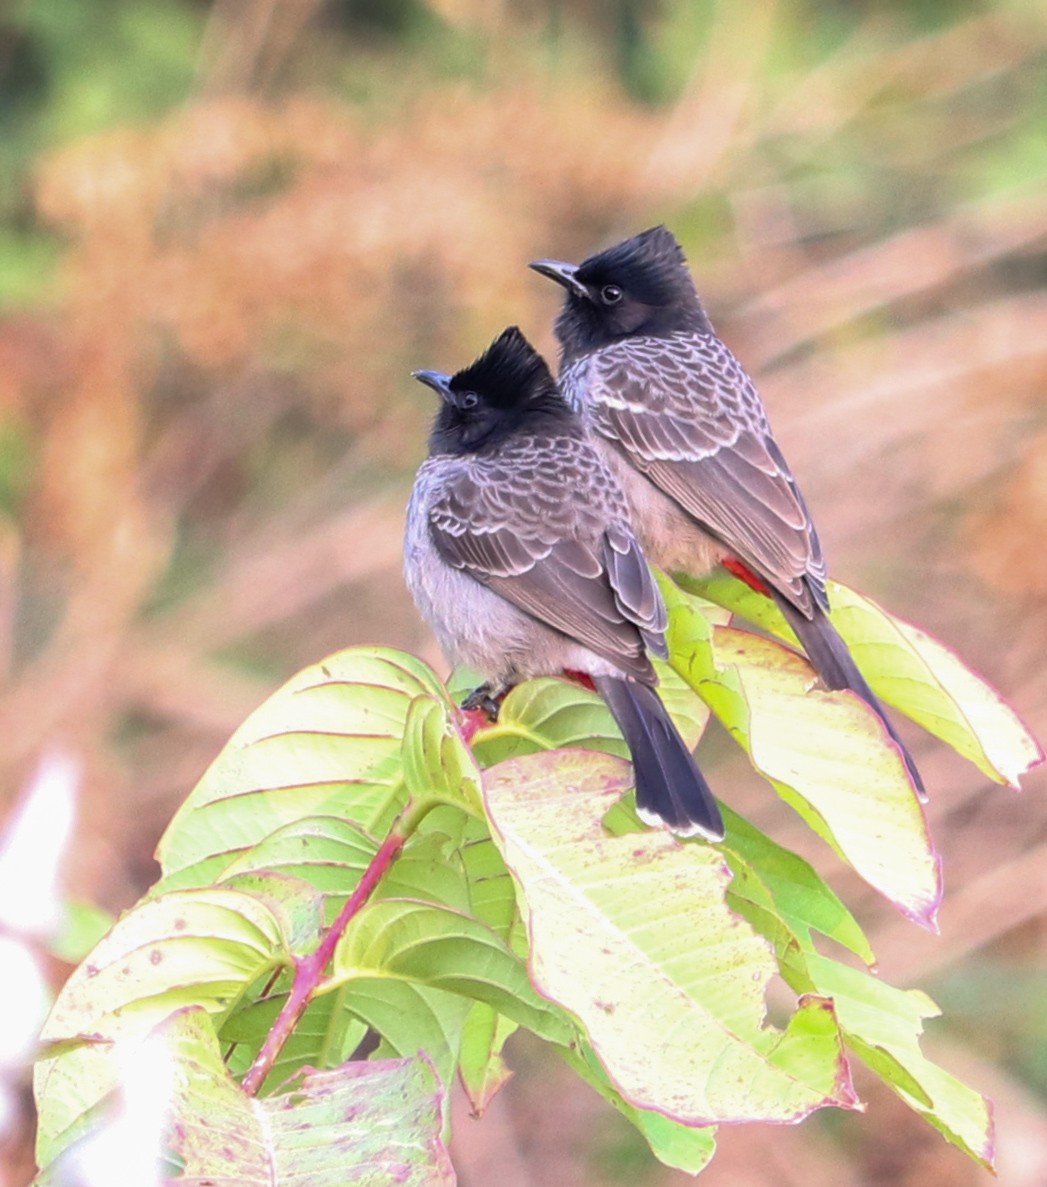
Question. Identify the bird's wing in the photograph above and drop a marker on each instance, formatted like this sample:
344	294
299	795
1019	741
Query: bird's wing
688	416
543	524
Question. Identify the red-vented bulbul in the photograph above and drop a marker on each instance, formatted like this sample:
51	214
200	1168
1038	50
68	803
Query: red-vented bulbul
674	415
520	555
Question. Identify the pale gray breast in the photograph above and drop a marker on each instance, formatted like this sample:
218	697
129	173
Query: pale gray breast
473	626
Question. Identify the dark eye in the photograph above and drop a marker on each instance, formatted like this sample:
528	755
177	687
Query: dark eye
468	400
610	294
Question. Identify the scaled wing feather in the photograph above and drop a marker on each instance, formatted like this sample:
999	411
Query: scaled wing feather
690	419
552	539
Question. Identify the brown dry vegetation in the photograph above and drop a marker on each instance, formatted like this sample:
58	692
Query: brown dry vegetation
214	431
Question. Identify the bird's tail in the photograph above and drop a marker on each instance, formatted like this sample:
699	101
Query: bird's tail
832	660
669	786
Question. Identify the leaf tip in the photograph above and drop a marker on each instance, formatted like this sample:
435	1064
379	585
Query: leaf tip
987	1153
925	913
922	905
1014	776
481	1091
842	1094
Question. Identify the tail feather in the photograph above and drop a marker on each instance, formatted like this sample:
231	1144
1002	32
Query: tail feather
669	786
832	660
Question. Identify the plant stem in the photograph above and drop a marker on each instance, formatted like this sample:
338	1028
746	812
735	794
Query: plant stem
309	970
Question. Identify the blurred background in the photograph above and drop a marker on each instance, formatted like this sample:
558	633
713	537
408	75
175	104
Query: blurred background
229	229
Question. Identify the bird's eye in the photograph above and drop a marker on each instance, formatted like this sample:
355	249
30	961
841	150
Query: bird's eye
469	400
610	294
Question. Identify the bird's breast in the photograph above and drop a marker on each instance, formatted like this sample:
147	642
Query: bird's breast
670	537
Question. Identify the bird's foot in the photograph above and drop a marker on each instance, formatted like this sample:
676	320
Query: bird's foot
479	709
486	699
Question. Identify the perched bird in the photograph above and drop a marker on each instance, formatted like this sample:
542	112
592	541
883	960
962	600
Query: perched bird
520	556
674	415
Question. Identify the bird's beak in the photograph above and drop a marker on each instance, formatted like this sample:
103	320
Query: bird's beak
565	274
437	380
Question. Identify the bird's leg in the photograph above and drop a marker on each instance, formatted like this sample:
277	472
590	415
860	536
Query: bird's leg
479	708
486	698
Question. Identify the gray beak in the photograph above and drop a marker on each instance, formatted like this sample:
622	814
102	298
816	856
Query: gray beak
437	380
565	274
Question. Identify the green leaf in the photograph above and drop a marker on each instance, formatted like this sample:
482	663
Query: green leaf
430	946
546	714
678	1027
482	1069
332	854
437	763
411	1018
773	881
295	905
784	900
908	669
796	892
368	1123
326	1034
553	714
826	754
451	862
82	926
196	947
687	1148
492	896
882	1025
689	712
329	742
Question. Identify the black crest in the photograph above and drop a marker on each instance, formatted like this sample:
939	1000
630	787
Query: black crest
507	390
650	267
510	373
638	288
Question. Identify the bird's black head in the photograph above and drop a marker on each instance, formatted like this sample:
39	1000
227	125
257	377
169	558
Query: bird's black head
641	286
507	389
